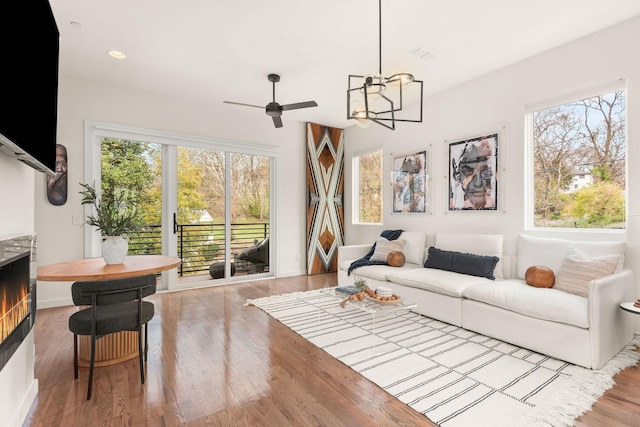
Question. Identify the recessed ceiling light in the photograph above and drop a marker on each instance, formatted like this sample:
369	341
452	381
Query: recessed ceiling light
116	54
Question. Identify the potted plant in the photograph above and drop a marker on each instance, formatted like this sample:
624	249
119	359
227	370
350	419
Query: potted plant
359	283
114	216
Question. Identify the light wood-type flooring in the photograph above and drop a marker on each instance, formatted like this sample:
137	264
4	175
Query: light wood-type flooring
213	362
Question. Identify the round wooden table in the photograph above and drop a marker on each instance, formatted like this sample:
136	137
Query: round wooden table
121	346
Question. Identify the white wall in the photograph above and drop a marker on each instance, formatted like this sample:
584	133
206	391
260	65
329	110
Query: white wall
18	387
80	100
493	103
496	102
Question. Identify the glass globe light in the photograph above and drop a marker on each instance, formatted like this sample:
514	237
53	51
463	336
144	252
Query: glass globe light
401	79
361	118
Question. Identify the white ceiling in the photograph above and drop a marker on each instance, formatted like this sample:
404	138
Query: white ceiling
215	50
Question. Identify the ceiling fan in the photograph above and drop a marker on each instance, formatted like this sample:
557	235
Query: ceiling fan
274	109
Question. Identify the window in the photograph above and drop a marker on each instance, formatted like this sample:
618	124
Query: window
367	184
583	136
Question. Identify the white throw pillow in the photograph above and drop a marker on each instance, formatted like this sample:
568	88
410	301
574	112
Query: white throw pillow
384	247
577	271
414	246
596	249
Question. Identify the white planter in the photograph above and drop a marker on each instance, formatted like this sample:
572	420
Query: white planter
114	249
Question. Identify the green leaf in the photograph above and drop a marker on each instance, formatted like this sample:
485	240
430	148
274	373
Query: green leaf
113	215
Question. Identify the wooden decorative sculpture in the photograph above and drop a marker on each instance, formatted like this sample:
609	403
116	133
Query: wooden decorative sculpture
325	185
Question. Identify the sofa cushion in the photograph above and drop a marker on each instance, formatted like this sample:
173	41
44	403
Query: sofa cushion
540	303
384	247
479	244
434	280
463	263
577	271
551	252
415	242
380	272
344	265
539	251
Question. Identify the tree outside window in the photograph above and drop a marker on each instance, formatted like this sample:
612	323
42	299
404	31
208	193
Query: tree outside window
579	163
367	171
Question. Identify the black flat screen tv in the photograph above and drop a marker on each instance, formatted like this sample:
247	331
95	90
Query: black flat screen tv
29	82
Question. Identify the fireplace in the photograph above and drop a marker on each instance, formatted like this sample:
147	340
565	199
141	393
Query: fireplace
17	293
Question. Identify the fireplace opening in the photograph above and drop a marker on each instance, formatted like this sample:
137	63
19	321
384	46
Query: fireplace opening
15	306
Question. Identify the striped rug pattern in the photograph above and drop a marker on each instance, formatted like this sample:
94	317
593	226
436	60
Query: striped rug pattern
453	376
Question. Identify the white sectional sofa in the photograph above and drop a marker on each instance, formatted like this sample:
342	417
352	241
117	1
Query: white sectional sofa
586	329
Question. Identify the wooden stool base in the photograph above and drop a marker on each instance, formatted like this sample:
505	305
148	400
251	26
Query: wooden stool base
110	349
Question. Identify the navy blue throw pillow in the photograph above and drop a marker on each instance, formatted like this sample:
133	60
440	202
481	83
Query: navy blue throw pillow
458	262
442	260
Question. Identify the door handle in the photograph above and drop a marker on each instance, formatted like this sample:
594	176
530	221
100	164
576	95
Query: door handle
175	223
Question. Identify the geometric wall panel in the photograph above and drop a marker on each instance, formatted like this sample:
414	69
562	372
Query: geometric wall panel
325	192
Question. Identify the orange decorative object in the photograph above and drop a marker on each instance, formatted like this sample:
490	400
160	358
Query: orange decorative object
395	259
539	276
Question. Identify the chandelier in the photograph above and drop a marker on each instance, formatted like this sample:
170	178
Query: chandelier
374	98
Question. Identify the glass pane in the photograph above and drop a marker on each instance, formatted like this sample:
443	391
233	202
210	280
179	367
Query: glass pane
580	163
250	211
201	212
134	167
370	187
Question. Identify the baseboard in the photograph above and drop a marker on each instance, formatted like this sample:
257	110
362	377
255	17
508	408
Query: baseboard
52	303
23	411
292	273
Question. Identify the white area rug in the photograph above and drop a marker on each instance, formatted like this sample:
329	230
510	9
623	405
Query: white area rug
453	376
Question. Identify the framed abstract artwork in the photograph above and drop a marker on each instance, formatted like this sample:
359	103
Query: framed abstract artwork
410	185
473	174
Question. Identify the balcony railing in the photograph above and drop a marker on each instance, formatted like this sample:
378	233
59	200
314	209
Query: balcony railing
200	245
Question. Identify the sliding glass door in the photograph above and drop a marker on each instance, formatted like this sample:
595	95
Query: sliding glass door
135	169
250	213
223	213
207	204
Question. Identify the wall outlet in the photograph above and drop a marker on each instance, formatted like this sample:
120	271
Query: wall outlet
297	257
76	220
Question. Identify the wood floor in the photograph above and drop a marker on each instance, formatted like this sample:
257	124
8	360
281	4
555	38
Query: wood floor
213	362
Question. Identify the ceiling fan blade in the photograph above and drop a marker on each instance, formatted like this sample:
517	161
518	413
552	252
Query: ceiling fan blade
277	120
245	105
299	105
